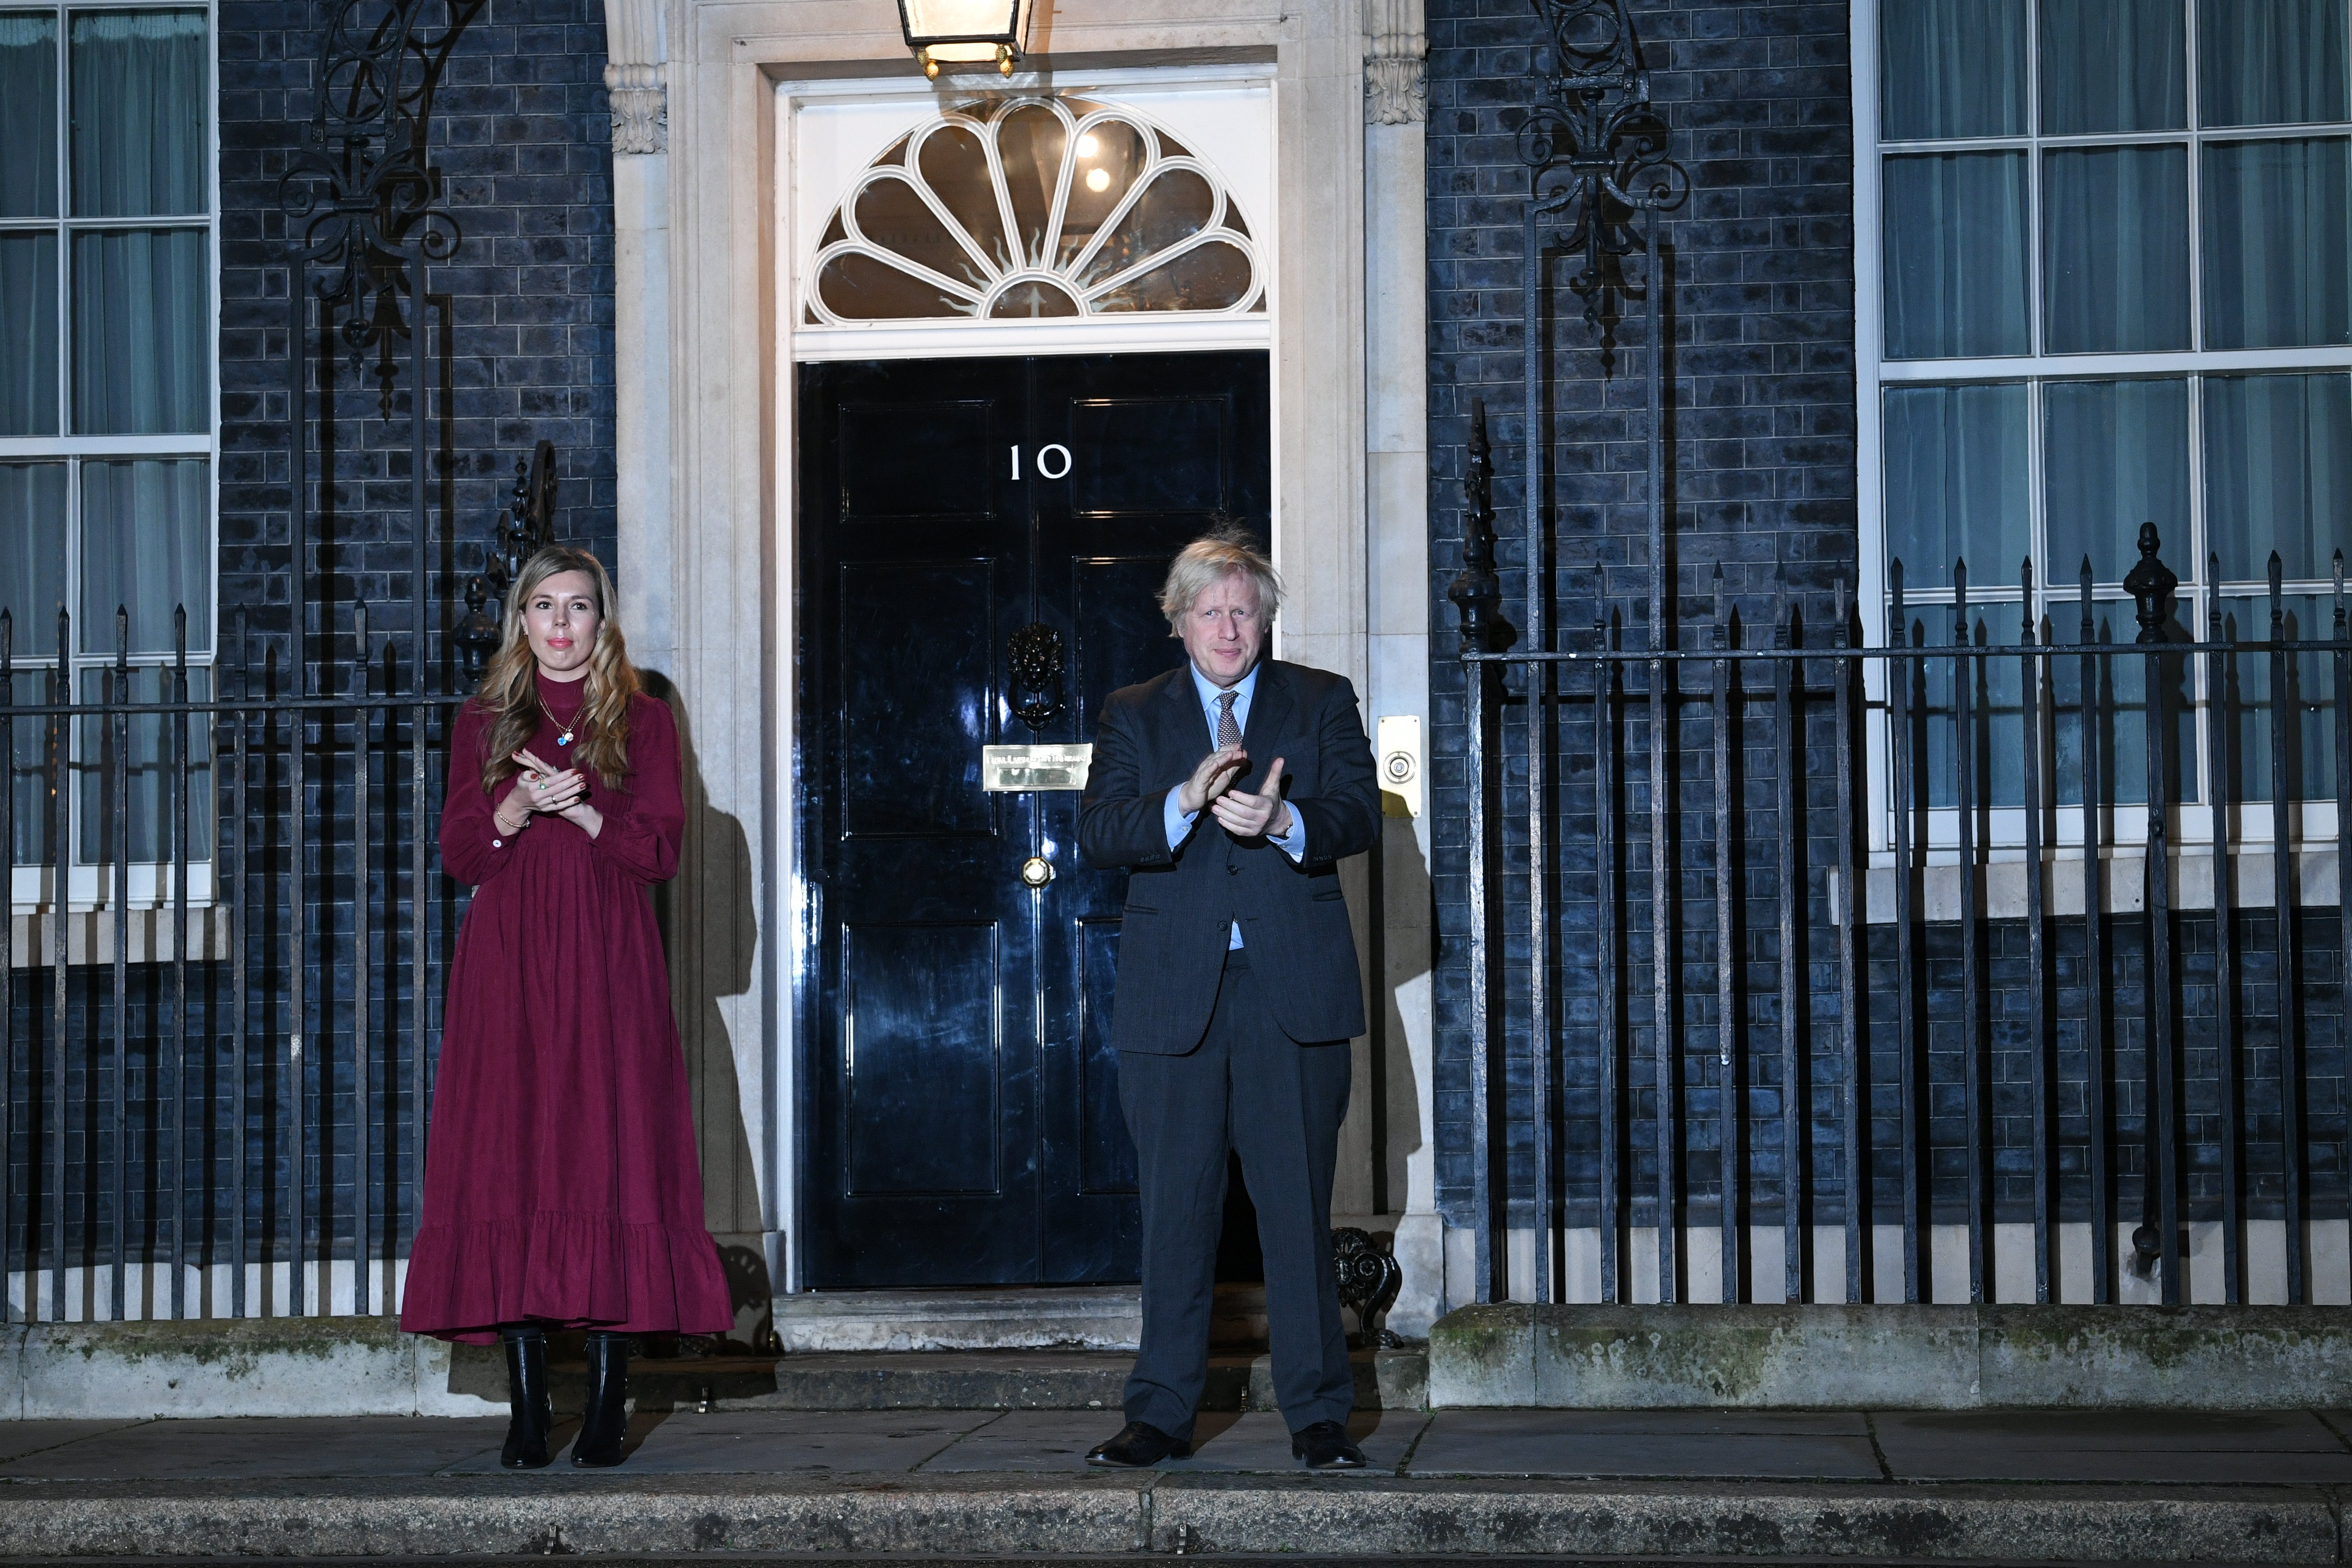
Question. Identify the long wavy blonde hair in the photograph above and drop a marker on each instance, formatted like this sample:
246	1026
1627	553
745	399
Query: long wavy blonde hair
509	687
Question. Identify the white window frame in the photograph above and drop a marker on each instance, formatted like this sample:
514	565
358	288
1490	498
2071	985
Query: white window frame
2311	822
90	885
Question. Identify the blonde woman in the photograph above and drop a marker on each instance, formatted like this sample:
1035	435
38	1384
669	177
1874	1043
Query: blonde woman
561	1189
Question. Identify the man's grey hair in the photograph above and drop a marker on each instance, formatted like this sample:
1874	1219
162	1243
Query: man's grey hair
1210	560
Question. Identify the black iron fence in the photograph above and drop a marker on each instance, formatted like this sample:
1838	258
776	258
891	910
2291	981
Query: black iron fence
222	1027
1737	956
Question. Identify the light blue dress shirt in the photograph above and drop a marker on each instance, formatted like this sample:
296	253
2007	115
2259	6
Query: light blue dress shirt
1180	821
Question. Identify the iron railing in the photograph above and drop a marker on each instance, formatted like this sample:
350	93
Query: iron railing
1774	1046
251	1146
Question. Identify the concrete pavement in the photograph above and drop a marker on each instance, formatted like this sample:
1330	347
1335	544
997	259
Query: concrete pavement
2078	1485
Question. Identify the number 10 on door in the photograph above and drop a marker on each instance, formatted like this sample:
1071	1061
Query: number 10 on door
1047	457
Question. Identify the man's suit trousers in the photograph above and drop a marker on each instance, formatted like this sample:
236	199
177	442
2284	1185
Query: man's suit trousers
1250	1088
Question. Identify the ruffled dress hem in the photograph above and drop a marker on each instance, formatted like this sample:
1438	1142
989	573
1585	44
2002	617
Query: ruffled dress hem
564	1271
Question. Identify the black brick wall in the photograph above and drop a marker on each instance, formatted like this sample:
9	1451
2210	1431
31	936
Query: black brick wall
522	316
1761	482
1760	426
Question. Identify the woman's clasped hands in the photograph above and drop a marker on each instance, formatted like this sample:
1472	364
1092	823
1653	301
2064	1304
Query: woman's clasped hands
542	790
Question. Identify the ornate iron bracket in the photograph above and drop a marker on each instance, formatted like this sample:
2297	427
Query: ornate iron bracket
526	526
360	197
1602	132
1369	1279
364	219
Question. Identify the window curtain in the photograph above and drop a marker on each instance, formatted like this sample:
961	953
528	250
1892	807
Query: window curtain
2271	62
140	365
2113	65
2115	455
139	92
2278	265
2115	249
2278	472
141	336
32	555
1957	482
1955	255
1951	68
145	545
28	334
28	116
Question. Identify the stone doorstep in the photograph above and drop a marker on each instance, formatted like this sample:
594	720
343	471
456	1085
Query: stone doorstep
994	1318
953	1380
1116	1515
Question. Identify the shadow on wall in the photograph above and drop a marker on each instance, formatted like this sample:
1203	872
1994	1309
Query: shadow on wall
1406	961
711	933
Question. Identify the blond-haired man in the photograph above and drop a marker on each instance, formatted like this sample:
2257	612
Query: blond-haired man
1230	789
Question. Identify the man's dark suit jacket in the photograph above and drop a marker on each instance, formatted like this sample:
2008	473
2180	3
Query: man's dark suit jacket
1181	904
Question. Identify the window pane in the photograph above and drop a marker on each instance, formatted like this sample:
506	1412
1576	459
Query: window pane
1994	707
1956	254
2118	717
2269	62
28	334
33	554
2311	698
136	797
141	359
2278	472
139	92
28	114
2278	270
1957	478
2113	65
1951	68
2115	455
2115	249
145	546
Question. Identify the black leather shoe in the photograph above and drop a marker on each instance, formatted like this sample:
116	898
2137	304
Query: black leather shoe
530	1417
598	1446
1138	1444
1325	1446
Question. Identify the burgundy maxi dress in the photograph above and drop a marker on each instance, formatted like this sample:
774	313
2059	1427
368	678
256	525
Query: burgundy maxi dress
560	1185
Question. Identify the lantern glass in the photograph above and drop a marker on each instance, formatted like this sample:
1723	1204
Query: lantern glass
965	31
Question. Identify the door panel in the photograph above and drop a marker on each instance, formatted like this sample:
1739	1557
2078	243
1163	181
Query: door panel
962	1118
1106	1156
1157	455
909	763
923	1044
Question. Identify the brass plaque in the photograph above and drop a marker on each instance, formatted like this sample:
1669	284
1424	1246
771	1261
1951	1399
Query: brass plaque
1035	767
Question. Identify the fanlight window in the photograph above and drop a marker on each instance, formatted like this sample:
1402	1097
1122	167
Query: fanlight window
1024	208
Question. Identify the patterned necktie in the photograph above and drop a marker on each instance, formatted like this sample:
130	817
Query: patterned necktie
1229	734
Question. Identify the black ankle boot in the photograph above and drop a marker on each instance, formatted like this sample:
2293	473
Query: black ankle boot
598	1445
527	1429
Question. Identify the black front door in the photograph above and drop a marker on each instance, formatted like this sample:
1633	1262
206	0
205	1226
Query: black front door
961	1120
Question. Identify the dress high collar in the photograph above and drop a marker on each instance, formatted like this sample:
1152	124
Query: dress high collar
560	696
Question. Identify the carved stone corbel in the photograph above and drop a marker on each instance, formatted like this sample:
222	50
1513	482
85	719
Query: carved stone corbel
1395	50
634	76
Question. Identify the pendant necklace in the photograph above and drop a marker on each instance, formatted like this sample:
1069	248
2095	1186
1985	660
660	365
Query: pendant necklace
564	732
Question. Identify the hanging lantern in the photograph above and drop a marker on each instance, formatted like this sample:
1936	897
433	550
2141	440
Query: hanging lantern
963	33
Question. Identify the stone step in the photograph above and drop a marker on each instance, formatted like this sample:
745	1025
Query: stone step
682	1517
937	1380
